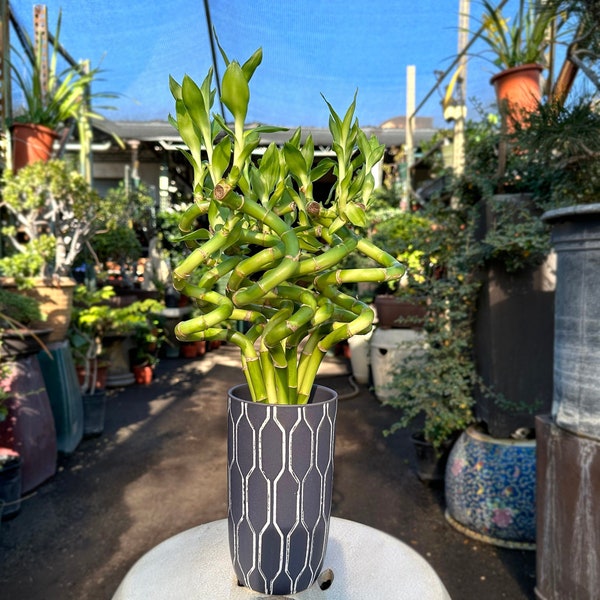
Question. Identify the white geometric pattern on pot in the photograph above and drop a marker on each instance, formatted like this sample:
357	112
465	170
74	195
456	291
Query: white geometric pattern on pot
280	473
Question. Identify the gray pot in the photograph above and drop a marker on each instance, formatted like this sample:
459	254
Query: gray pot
576	239
280	477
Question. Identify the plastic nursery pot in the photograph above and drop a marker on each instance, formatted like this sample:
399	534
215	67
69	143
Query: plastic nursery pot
10	483
143	374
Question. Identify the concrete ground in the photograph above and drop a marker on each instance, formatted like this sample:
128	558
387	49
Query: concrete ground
160	468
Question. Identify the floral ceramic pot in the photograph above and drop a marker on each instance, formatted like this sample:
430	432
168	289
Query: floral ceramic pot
490	489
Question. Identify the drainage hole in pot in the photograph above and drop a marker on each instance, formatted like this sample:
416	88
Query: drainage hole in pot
325	579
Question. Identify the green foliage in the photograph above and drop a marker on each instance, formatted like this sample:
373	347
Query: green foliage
522	39
437	388
119	244
262	249
18	309
405	235
51	202
5	371
560	151
67	93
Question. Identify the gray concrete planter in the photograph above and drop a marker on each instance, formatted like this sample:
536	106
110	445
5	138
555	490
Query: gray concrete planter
576	239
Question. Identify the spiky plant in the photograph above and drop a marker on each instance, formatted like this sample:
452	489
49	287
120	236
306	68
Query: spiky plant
269	255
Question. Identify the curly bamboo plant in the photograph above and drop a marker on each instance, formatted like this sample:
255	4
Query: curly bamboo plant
276	249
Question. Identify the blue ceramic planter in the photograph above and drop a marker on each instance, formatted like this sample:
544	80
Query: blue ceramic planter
490	489
280	477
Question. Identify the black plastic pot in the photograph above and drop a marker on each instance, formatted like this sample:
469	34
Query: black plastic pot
10	484
430	463
94	407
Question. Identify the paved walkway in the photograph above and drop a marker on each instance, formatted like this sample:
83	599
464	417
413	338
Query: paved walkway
160	468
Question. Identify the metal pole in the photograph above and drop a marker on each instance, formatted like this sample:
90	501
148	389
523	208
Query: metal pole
411	71
459	124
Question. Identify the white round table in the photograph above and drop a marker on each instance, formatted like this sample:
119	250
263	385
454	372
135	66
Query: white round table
366	563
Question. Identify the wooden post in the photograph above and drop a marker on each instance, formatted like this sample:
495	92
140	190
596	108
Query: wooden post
411	71
40	33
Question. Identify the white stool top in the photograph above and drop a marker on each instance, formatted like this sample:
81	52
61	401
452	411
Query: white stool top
366	563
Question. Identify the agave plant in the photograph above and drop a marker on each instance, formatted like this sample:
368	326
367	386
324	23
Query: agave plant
270	253
521	40
66	93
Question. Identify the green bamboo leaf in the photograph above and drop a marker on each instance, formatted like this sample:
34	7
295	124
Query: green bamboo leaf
194	102
377	151
309	242
335	123
356	184
225	58
295	162
269	167
175	88
188	130
295	138
220	121
235	92
199	234
252	63
347	123
251	142
257	183
269	129
337	224
363	143
356	214
322	168
308	151
221	157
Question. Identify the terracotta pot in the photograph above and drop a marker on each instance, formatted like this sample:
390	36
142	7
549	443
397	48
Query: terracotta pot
395	312
518	92
143	374
31	143
189	350
101	374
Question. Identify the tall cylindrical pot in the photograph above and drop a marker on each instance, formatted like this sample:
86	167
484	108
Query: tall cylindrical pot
576	240
280	477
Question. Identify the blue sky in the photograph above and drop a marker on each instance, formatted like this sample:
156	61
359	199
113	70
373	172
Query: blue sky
333	47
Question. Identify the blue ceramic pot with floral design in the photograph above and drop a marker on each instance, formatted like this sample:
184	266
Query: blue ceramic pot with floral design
490	489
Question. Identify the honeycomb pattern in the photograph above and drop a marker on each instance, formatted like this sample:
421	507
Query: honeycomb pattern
280	475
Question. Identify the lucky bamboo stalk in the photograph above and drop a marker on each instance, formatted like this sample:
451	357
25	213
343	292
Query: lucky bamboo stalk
270	254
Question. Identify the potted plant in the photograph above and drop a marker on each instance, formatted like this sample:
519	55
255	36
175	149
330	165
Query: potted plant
54	213
433	390
17	312
398	230
51	97
564	140
149	337
518	47
278	251
99	330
